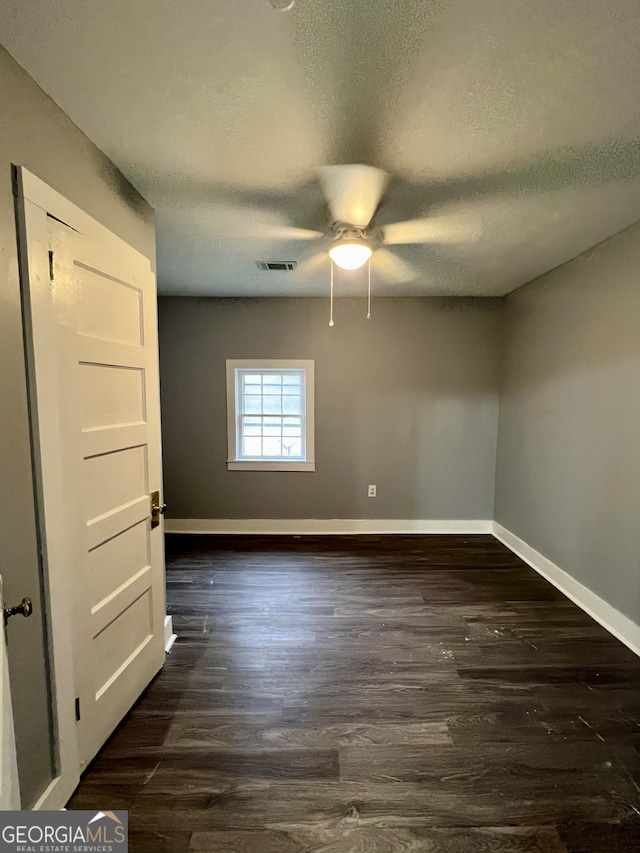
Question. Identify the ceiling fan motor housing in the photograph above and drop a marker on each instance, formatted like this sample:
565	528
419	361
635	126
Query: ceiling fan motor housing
343	232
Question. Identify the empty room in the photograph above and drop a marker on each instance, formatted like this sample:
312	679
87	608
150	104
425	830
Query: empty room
320	418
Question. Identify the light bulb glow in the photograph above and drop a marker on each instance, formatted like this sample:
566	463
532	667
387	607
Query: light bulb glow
350	255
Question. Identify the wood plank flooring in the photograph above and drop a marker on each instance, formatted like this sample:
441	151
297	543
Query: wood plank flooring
375	694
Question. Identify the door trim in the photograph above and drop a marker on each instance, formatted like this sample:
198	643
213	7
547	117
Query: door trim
35	203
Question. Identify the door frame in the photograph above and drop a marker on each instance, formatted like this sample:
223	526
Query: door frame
36	202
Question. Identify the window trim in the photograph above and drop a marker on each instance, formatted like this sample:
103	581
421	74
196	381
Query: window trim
235	464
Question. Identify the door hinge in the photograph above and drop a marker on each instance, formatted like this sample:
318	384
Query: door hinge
51	266
77	710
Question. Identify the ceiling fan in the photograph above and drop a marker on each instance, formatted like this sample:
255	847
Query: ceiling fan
354	194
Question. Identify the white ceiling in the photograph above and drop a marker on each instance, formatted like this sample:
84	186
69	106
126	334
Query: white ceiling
519	118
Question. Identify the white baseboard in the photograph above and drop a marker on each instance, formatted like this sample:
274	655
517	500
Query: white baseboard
323	526
615	622
169	636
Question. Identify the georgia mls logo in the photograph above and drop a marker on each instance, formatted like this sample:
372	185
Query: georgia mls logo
102	832
64	832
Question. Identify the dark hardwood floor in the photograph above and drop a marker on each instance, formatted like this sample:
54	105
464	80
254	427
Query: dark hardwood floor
376	694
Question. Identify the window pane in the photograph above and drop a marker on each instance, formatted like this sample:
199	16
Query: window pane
251	430
272	431
252	391
291	379
292	431
252	379
291	405
291	389
272	378
272	421
291	447
252	405
272	389
252	447
271	447
272	405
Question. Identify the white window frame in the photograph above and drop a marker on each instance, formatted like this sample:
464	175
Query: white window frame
235	464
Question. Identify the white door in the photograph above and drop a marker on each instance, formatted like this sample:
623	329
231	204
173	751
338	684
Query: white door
9	788
91	313
104	309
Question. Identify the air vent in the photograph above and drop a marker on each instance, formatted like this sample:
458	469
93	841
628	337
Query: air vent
278	266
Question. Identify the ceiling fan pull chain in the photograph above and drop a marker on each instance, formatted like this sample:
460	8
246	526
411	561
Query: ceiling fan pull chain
331	309
369	299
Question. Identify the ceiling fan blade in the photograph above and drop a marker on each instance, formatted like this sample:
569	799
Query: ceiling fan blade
313	265
241	222
285	233
438	229
390	267
353	192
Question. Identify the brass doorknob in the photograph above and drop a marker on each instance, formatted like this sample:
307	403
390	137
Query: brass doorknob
157	509
25	607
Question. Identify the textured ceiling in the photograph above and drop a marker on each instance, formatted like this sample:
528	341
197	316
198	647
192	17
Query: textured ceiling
517	120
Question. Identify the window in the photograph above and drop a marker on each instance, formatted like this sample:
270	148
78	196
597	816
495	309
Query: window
270	415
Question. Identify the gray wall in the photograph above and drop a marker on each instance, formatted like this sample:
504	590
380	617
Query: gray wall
568	470
35	133
406	400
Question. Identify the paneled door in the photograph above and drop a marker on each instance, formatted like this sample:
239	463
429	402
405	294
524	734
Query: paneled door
91	319
105	312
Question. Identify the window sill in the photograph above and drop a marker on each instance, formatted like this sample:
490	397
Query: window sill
254	465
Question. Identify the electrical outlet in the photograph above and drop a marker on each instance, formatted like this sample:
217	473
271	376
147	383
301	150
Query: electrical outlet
372	491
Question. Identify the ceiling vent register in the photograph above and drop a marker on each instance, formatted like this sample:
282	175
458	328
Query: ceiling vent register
277	266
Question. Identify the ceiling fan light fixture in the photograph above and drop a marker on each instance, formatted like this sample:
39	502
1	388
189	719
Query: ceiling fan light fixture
350	255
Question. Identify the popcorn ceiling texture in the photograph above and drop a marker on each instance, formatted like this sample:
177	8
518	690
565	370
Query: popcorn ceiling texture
520	118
